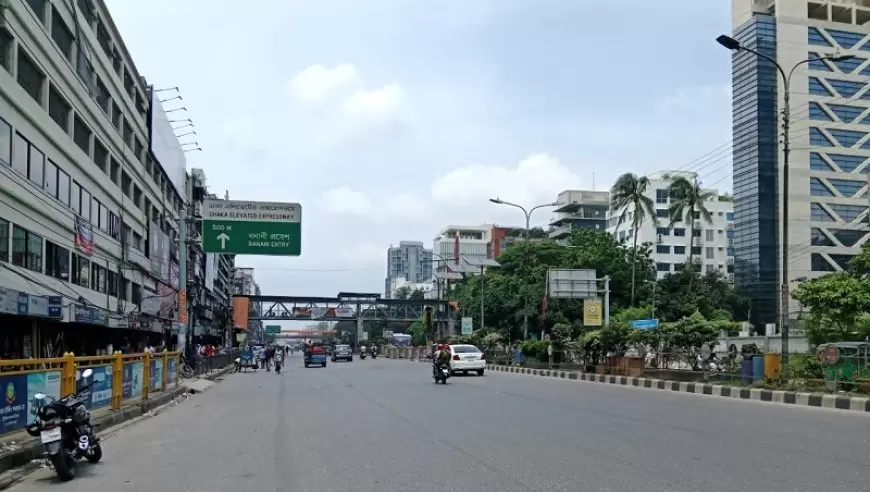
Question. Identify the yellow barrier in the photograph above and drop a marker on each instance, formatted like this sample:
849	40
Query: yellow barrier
115	378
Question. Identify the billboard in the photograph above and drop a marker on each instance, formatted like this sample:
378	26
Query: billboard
240	312
158	253
165	147
210	270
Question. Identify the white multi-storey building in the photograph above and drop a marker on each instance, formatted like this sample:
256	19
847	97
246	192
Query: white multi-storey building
80	190
711	246
469	242
830	142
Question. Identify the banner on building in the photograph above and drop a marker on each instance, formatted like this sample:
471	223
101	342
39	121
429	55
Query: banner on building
240	312
84	238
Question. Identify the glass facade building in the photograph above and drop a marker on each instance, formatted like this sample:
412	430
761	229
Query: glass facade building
829	140
756	198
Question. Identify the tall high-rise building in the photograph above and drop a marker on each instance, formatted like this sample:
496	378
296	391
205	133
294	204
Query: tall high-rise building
830	142
410	261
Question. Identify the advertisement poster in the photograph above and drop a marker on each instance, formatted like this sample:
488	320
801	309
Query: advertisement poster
81	382
101	391
138	374
172	373
127	388
156	375
47	383
13	414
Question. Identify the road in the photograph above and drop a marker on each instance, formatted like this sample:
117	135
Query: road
383	426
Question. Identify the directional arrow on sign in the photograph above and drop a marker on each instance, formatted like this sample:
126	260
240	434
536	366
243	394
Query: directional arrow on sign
223	238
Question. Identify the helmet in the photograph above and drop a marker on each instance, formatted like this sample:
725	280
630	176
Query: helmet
443	346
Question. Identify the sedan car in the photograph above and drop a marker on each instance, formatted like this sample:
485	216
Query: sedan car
342	352
467	358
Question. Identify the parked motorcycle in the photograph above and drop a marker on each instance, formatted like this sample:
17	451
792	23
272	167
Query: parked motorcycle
441	373
65	429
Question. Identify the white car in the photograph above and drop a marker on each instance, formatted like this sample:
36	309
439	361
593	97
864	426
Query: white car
467	358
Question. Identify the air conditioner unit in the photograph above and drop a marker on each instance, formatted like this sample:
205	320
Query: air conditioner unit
697	241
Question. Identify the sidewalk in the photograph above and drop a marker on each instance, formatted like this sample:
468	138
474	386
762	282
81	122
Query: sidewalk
18	448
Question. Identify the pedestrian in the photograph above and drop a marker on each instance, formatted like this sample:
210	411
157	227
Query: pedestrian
279	359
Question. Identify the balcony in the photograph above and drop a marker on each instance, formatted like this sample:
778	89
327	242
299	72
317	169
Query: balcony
561	232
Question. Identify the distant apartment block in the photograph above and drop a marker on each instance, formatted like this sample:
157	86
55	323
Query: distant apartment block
579	209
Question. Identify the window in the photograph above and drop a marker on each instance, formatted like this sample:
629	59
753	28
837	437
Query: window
102	96
101	155
63	187
61	34
817	188
663	231
5	142
112	283
115	226
696	250
19	154
82	134
710	235
101	216
818	114
663	267
136	294
710	253
679	250
26	249
75	197
86	205
36	166
50	184
114	169
58	109
81	267
679	232
5	50
4	240
663	249
56	261
30	78
98	277
661	213
661	196
88	12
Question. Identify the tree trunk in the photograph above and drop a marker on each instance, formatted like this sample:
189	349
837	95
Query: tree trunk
633	263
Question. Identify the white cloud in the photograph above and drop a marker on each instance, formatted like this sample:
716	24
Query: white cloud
346	201
342	109
318	83
365	254
537	179
695	98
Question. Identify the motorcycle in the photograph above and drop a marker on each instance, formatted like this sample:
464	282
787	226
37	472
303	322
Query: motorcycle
374	354
65	429
362	355
441	373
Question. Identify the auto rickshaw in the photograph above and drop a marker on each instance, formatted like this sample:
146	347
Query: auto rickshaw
845	363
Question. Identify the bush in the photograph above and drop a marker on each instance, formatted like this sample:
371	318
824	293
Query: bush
536	349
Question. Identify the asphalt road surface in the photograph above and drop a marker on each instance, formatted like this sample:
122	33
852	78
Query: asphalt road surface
383	426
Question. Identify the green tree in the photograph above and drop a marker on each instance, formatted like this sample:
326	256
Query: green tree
688	200
628	198
417	295
402	292
682	293
838	305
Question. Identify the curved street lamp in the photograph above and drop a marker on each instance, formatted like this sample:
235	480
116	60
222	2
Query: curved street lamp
734	45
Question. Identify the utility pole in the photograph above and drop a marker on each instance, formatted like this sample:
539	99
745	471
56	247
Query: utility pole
735	46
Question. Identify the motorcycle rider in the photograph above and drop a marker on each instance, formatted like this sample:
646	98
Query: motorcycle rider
441	357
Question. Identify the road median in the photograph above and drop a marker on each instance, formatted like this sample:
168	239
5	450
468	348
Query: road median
819	400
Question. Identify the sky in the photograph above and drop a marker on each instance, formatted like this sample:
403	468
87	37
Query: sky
390	119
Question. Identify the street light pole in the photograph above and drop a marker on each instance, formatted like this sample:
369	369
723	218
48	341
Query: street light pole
734	45
528	214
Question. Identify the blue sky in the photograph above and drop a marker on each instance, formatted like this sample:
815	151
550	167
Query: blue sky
389	119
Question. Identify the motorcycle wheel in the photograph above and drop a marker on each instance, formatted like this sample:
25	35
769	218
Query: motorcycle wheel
95	455
64	465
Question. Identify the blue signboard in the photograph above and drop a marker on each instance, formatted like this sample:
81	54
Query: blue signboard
91	315
47	383
127	390
13	413
644	324
81	382
101	391
172	373
156	375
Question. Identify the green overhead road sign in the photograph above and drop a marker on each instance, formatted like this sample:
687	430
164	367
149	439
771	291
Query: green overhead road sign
251	228
273	329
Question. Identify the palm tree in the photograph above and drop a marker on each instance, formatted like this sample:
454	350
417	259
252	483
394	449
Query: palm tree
628	197
688	199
